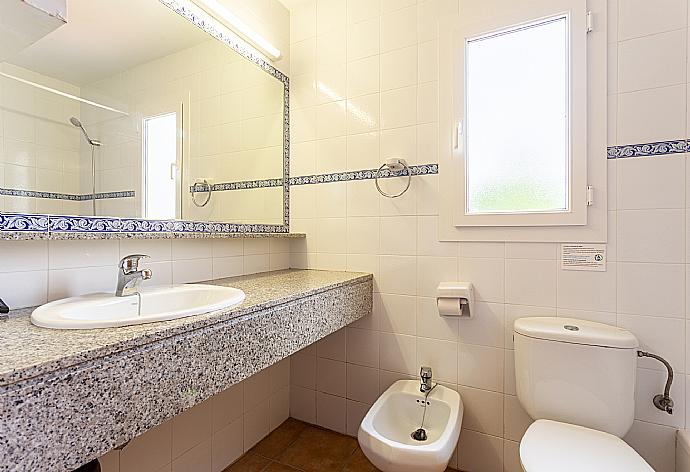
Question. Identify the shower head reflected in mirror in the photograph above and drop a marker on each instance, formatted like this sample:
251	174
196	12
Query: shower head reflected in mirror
77	123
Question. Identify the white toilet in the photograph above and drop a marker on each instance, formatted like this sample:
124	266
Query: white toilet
576	378
385	434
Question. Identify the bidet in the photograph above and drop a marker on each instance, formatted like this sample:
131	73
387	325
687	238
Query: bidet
385	433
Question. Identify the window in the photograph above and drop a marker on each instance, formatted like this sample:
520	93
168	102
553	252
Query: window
517	154
160	166
522	121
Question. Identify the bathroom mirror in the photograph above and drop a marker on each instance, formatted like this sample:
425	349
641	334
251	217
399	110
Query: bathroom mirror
143	109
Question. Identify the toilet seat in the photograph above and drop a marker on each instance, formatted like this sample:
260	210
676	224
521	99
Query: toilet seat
549	446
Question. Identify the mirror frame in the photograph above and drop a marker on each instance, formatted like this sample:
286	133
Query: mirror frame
37	226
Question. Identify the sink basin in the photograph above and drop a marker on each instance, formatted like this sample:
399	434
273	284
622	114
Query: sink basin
105	310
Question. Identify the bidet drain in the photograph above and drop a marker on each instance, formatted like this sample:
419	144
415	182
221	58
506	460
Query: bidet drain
419	435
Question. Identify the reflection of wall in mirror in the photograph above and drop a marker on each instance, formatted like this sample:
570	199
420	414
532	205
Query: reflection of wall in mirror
40	146
235	130
235	134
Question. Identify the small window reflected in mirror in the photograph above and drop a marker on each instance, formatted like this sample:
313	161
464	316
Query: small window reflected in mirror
160	167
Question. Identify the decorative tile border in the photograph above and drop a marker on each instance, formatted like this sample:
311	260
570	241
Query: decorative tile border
55	227
65	196
80	224
239	185
366	174
20	222
660	148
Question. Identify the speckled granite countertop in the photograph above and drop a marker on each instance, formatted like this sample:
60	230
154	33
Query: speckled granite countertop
28	351
56	383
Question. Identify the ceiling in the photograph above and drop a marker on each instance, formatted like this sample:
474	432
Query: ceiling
104	37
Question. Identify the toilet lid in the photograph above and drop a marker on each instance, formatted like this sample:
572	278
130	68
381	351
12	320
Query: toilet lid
548	446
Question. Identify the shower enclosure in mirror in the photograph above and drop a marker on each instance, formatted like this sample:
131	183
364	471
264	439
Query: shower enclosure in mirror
144	109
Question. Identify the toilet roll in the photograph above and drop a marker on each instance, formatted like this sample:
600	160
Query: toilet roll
449	306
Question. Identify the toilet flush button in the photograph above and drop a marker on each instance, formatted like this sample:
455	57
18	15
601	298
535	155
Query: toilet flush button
571	328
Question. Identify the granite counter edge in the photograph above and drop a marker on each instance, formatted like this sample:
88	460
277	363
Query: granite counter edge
8	378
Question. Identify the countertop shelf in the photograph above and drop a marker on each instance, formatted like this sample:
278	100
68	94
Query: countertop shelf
29	350
120	382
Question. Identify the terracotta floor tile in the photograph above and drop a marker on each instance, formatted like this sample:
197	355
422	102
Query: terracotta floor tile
299	447
358	462
280	439
249	463
319	450
277	467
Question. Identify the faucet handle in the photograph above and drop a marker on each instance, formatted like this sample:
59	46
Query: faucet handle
130	263
425	372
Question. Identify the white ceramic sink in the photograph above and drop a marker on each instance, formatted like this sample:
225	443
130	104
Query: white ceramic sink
105	310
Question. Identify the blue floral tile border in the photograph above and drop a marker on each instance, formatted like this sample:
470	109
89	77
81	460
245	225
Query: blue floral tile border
79	224
21	222
17	222
239	185
366	174
660	148
65	196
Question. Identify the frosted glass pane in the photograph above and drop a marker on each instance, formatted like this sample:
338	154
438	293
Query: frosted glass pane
160	135
517	141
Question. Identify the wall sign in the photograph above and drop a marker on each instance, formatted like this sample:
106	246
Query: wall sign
583	257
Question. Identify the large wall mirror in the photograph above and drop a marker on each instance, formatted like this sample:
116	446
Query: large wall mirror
133	110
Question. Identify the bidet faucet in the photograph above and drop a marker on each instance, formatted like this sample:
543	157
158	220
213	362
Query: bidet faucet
425	374
129	277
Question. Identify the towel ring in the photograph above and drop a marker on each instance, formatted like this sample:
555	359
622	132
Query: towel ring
393	165
203	183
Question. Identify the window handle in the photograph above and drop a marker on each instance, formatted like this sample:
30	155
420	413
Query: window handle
458	136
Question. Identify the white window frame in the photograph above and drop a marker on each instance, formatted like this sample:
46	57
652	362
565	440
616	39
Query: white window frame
585	220
172	171
159	107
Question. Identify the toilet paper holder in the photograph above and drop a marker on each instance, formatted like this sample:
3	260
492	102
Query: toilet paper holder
455	299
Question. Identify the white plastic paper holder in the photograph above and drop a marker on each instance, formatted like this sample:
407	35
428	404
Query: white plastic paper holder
455	299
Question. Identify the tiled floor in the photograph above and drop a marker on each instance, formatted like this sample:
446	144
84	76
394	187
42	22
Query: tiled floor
297	446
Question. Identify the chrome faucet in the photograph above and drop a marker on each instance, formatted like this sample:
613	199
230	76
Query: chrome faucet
425	374
129	277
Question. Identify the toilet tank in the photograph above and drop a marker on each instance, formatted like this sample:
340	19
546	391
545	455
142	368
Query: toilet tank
576	371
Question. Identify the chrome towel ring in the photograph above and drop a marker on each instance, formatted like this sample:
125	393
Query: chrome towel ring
203	183
393	165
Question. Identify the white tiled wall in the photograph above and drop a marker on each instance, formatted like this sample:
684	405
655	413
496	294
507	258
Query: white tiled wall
213	434
235	123
364	81
35	272
39	149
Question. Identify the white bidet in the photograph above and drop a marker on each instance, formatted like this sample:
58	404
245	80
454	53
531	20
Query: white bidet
387	433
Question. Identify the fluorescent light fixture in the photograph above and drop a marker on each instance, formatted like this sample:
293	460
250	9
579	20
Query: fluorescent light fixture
240	27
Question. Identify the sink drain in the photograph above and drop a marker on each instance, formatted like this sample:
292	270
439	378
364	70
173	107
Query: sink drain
419	435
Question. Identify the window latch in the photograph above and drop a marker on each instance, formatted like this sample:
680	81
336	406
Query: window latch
590	22
590	195
457	136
